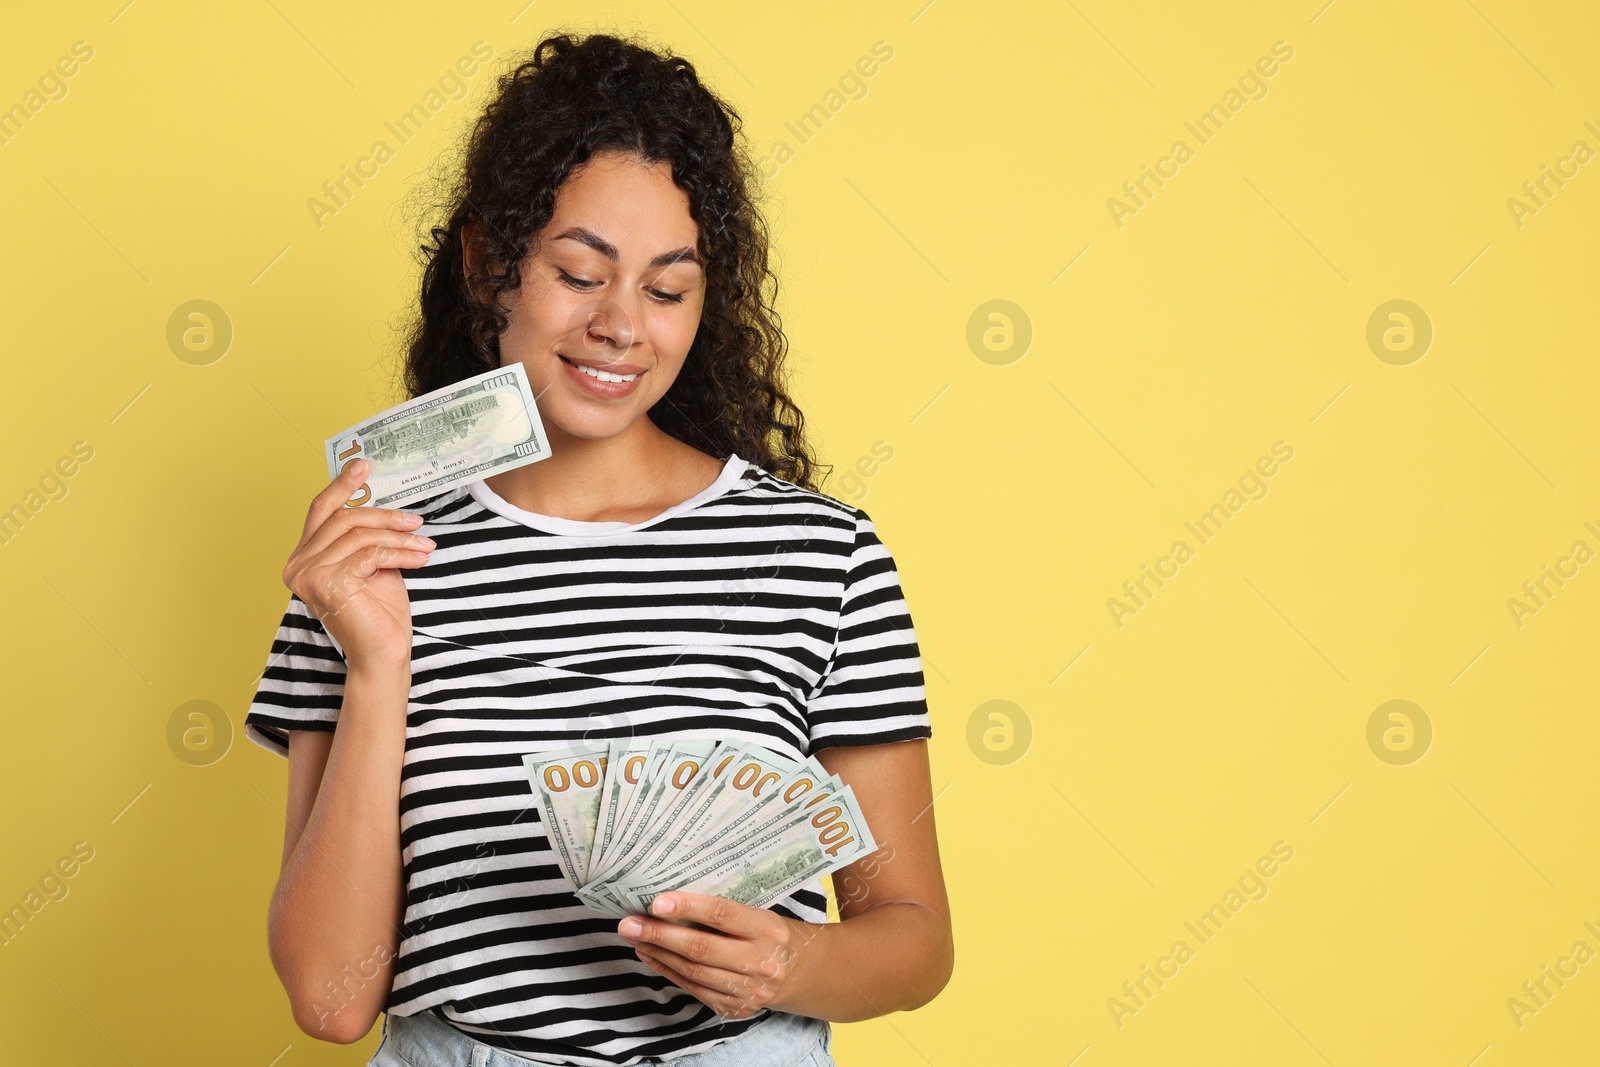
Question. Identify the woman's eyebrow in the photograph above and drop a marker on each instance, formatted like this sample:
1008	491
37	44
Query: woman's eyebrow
609	250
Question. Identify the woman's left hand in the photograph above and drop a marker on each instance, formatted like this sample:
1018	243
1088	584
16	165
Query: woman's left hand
744	963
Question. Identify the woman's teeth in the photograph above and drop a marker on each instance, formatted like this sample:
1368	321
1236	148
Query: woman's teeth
604	375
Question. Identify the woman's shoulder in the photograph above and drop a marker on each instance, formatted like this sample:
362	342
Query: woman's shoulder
817	517
791	500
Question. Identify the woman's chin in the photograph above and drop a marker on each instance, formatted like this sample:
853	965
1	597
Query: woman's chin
583	425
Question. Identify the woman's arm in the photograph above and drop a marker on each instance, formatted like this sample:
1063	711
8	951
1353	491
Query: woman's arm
334	924
891	951
333	927
894	950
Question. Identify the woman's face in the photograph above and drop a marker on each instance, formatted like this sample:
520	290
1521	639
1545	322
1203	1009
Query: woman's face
616	286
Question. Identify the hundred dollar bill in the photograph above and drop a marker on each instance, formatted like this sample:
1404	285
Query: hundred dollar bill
680	767
680	814
627	762
759	790
629	789
566	784
626	783
749	782
465	432
776	804
827	833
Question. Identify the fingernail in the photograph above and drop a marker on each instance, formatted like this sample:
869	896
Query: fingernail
429	542
631	928
664	905
412	518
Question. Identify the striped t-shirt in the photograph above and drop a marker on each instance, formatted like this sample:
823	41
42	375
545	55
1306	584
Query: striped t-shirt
755	610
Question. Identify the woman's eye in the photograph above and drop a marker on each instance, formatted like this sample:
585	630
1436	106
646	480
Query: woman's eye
578	283
586	285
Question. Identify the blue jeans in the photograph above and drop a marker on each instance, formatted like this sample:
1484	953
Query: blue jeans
779	1040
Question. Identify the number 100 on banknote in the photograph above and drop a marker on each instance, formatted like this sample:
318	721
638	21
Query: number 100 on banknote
470	430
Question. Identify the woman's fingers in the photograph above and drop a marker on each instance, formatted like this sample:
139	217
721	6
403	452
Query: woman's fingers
729	916
366	562
361	537
729	1007
355	555
336	494
703	947
722	982
346	519
335	568
328	588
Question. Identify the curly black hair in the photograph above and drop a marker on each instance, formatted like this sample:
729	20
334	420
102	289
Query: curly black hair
564	100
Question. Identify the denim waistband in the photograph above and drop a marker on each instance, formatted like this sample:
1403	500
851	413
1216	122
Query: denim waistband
779	1040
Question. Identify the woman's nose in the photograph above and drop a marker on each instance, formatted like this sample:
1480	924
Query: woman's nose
607	323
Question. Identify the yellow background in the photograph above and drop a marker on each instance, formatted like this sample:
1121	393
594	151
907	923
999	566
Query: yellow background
1166	755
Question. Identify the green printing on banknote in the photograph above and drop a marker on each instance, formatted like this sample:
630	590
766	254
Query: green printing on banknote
465	432
776	830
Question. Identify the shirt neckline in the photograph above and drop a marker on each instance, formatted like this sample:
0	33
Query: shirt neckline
732	471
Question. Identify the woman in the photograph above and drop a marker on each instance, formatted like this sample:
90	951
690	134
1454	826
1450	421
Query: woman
668	570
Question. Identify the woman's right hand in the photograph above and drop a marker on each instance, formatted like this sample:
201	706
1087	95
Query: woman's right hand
346	569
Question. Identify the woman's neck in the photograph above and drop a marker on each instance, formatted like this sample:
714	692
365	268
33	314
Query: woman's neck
628	478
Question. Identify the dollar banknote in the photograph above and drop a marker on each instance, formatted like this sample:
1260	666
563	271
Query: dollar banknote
757	812
467	431
566	785
633	818
625	792
671	827
676	769
629	756
826	833
693	796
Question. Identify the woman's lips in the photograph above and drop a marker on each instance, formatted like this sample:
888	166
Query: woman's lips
595	387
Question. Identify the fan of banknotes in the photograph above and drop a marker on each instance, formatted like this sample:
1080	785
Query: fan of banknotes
632	818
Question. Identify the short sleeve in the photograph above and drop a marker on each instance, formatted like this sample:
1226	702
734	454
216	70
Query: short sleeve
872	691
302	687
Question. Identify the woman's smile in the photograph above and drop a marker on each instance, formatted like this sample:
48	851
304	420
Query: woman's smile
601	380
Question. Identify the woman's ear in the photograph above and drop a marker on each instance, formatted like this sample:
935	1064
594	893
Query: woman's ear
469	256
